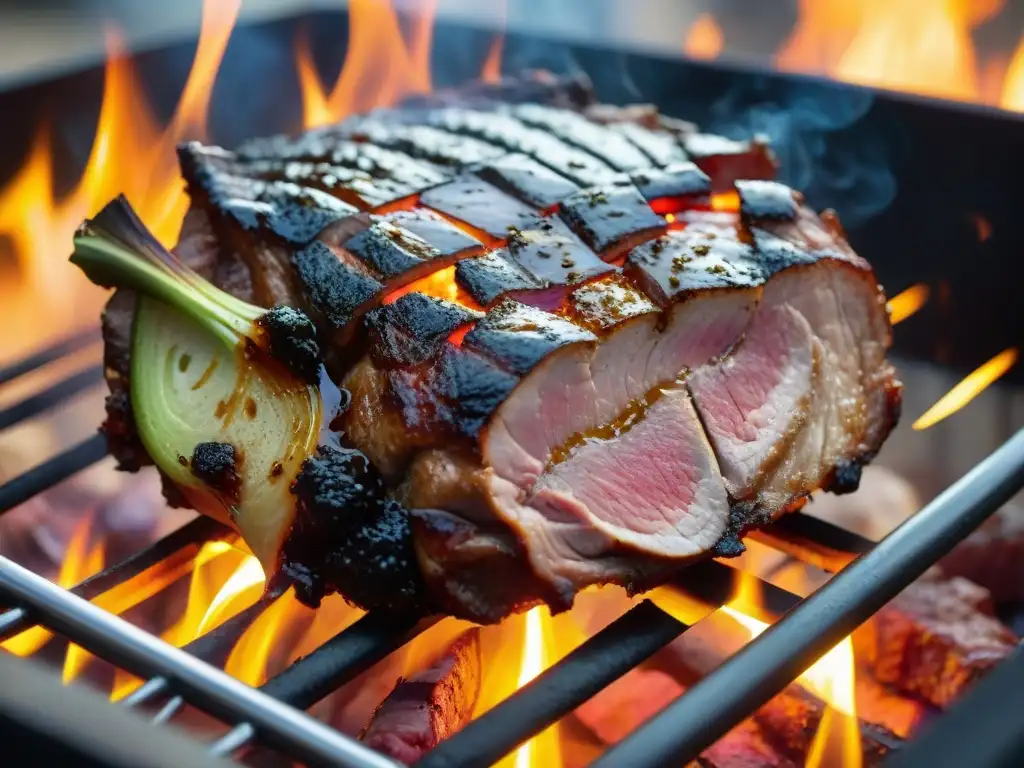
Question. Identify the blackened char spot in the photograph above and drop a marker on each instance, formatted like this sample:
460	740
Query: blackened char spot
523	177
475	387
448	239
413	329
388	250
575	130
480	205
291	340
332	287
492	275
518	336
609	216
845	476
349	538
218	465
677	180
766	200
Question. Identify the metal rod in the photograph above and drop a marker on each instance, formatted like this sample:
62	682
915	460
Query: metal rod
984	729
629	640
50	354
140	653
330	666
51	397
52	471
182	544
813	541
753	675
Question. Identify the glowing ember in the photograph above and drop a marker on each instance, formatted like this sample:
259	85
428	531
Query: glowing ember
906	303
440	285
704	40
973	385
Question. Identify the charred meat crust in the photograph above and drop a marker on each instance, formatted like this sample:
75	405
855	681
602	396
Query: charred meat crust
348	537
291	340
218	465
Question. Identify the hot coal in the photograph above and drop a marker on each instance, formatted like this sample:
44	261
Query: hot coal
935	639
428	707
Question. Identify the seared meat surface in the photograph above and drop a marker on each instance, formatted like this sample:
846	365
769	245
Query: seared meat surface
584	344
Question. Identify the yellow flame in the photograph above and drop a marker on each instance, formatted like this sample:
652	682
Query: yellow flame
248	576
973	385
1013	85
906	303
544	748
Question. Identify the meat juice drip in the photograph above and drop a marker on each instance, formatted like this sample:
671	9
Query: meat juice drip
631	415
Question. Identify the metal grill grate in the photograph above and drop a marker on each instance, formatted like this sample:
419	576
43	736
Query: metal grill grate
273	715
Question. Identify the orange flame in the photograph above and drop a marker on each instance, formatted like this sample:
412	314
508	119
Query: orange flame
491	71
903	45
973	385
704	39
906	303
379	66
831	679
1013	86
130	155
544	748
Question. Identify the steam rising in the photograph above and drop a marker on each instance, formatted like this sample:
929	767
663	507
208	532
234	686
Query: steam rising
806	122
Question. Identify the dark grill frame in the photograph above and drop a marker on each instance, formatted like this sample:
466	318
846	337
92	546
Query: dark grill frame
867	576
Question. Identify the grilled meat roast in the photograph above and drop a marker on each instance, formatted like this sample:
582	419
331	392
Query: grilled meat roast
583	344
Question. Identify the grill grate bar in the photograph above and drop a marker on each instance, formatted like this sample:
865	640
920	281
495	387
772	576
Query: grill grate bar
336	662
51	397
52	471
813	541
49	355
138	652
605	657
626	642
757	672
178	547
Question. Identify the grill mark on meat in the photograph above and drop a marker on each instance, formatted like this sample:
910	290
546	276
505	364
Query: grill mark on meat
611	218
422	142
323	147
493	275
574	129
413	329
684	182
480	205
505	131
660	146
524	178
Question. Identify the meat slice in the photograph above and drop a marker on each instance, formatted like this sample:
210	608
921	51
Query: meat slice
993	556
483	207
430	706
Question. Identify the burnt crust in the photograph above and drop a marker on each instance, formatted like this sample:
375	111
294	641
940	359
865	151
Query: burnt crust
348	537
607	217
291	340
413	329
218	465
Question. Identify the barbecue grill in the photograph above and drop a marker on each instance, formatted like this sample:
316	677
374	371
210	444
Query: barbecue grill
980	730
